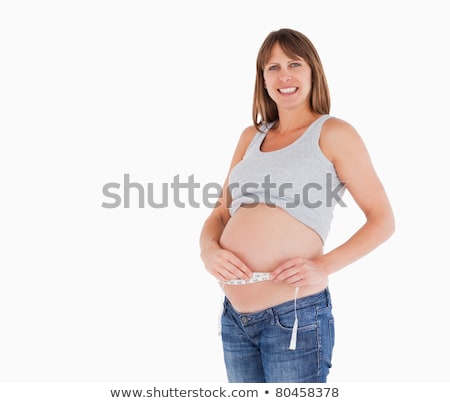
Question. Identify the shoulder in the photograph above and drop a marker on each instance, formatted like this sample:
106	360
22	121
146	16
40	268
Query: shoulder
244	141
247	135
338	138
335	128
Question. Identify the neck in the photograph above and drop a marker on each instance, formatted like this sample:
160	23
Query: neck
295	120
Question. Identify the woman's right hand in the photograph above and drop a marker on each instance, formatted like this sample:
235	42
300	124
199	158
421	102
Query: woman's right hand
225	265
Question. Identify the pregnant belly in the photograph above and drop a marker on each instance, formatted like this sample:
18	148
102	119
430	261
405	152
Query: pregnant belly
264	236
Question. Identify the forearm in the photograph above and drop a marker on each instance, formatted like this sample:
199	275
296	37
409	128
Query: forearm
210	234
374	232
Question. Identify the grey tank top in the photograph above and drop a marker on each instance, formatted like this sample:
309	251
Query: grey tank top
298	178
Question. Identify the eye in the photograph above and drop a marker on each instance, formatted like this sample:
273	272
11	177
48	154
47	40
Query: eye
295	64
273	67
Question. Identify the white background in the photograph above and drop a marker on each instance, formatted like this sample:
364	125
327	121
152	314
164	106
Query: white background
91	90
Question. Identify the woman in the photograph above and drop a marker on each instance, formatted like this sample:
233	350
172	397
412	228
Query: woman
288	172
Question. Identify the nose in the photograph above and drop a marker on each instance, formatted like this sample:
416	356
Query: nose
284	76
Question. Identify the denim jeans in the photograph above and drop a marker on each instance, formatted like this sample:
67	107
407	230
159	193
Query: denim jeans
256	345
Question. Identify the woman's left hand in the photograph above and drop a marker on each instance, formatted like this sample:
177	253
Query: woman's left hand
299	272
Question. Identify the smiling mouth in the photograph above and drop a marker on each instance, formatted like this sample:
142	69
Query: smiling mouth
289	90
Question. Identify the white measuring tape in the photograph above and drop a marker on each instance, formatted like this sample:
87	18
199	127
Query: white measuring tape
256	278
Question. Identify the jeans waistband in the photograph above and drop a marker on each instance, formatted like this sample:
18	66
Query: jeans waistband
313	299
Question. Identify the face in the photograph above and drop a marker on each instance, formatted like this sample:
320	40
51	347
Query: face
287	79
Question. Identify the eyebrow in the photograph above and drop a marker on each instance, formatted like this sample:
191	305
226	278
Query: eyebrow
300	59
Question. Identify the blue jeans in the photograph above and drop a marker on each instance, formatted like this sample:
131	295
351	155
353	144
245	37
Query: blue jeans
256	345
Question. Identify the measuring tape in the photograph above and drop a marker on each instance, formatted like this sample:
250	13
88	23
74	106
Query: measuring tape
256	278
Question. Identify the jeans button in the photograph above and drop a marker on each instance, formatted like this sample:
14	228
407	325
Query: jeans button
244	320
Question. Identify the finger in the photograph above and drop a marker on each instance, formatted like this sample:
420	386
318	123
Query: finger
288	272
295	279
280	269
240	269
285	275
299	283
220	277
288	264
231	271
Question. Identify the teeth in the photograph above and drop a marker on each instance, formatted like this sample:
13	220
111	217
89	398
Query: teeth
289	90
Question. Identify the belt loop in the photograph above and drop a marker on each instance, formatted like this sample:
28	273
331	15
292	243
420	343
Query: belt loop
293	344
272	316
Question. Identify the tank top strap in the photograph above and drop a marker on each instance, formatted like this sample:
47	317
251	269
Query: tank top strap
257	140
316	127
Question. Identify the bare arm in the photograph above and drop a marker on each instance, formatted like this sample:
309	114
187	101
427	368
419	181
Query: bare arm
221	263
343	146
346	150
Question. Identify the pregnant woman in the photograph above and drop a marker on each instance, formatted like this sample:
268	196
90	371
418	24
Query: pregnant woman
264	239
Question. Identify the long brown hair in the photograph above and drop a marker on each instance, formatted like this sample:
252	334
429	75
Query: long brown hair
294	44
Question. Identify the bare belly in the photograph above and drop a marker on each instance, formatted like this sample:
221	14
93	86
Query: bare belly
262	237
